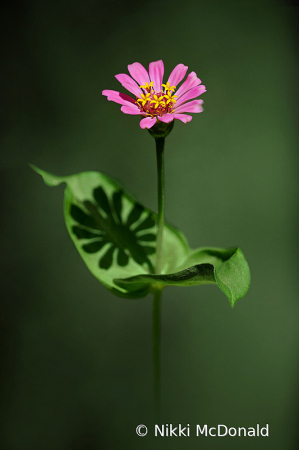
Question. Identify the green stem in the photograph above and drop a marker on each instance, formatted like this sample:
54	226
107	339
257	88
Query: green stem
157	292
160	169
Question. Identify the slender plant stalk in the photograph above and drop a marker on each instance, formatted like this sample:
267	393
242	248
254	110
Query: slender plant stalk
157	292
160	171
156	351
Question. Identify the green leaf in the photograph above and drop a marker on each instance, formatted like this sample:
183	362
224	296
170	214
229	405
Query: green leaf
226	268
114	234
116	238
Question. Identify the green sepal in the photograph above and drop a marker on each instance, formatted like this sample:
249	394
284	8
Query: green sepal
116	237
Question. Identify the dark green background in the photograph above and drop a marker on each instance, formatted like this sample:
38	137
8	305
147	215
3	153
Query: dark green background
76	361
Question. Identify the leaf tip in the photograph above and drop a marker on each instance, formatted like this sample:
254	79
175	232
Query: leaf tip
49	178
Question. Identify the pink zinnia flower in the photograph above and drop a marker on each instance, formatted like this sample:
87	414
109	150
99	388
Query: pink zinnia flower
156	101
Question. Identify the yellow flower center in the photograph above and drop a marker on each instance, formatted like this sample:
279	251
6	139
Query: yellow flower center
157	103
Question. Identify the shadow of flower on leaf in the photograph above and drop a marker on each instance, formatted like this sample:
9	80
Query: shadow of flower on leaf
101	223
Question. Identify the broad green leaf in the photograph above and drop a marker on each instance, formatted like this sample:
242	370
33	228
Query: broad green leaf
114	234
116	237
226	268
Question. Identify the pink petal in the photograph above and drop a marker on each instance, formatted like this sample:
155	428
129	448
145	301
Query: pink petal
128	83
156	72
139	73
177	74
192	107
118	97
189	95
182	117
167	118
134	110
191	81
148	122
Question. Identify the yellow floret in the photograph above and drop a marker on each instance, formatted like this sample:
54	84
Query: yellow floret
144	99
168	87
158	101
147	86
170	98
